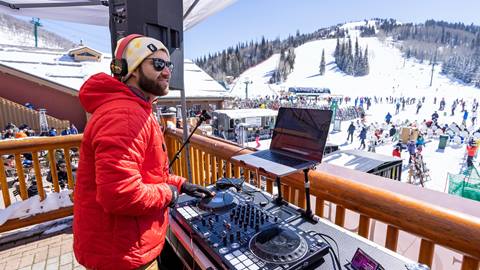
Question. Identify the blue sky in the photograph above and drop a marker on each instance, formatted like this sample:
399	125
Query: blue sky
248	20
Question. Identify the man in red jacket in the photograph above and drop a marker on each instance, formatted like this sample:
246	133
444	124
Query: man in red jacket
123	186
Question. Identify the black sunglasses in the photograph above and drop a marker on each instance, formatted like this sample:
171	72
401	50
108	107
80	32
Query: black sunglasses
159	64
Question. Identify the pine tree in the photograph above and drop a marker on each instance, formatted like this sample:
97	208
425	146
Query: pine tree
365	62
337	49
322	63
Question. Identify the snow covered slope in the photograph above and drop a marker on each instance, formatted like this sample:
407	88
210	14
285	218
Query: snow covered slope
390	72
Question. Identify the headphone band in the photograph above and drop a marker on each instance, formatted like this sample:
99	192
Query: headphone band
124	43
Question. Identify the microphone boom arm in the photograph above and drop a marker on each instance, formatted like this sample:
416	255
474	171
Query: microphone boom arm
203	117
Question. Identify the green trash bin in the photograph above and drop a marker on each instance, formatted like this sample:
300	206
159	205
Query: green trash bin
442	143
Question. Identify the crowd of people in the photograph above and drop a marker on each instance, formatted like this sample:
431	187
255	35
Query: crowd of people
11	131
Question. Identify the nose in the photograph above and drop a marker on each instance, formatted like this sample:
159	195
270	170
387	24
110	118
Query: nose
166	72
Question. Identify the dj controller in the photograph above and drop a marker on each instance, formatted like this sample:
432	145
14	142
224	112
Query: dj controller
238	232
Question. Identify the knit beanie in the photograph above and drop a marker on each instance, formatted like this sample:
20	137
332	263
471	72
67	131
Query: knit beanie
137	50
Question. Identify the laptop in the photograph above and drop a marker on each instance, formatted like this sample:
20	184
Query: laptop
298	141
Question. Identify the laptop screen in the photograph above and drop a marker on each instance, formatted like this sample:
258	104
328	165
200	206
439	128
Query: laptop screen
302	132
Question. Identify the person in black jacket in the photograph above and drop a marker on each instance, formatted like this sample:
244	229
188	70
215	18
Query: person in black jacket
351	130
61	174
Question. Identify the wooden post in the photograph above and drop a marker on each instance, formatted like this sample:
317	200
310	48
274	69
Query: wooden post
425	255
391	241
340	216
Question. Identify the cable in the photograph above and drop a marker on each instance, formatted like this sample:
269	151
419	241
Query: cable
332	252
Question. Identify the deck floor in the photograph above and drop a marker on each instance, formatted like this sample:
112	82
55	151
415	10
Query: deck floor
51	253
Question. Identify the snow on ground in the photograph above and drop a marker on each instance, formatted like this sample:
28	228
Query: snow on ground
440	162
33	206
390	75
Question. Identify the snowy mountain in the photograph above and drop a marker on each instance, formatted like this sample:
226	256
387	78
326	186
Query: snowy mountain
17	32
390	73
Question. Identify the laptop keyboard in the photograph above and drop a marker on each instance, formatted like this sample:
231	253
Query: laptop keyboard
279	158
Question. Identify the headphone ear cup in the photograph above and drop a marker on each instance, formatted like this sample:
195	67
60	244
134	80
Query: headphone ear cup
119	67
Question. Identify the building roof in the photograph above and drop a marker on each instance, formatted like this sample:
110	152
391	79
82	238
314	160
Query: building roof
71	51
58	67
360	160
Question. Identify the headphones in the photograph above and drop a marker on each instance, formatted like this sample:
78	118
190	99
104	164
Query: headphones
119	66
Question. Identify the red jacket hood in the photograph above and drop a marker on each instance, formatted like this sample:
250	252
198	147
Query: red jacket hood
102	88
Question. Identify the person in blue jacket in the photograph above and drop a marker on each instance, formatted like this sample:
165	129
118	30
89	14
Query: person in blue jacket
388	117
420	142
362	136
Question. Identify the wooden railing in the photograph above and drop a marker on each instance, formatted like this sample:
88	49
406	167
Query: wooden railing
43	153
437	218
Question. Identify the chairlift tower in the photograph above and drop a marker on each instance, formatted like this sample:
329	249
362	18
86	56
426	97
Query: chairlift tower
247	82
36	23
43	120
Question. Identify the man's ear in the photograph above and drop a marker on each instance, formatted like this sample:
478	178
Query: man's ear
134	76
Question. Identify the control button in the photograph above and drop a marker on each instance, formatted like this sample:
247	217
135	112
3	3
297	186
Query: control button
237	253
235	245
229	256
242	257
223	250
215	245
234	261
239	266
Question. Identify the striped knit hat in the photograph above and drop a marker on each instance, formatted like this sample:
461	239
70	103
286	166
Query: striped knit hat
137	50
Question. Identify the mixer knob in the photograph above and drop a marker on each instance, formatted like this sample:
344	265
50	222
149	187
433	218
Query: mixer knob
239	234
232	237
228	226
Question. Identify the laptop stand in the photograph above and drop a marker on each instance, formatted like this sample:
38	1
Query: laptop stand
307	213
279	199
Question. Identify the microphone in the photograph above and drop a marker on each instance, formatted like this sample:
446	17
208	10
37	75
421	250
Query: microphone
204	116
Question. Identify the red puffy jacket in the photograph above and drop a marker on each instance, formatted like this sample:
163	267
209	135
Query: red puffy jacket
121	193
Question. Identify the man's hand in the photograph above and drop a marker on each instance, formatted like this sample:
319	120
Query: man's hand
196	190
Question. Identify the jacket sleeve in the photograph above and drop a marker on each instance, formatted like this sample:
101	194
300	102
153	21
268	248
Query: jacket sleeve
119	147
176	181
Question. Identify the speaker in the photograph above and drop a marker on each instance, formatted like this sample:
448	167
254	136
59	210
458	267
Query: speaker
159	19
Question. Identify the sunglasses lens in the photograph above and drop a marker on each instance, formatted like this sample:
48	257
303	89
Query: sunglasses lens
160	64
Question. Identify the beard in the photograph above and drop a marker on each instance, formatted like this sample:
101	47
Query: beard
151	85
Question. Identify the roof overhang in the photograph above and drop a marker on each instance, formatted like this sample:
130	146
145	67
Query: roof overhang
96	11
36	79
